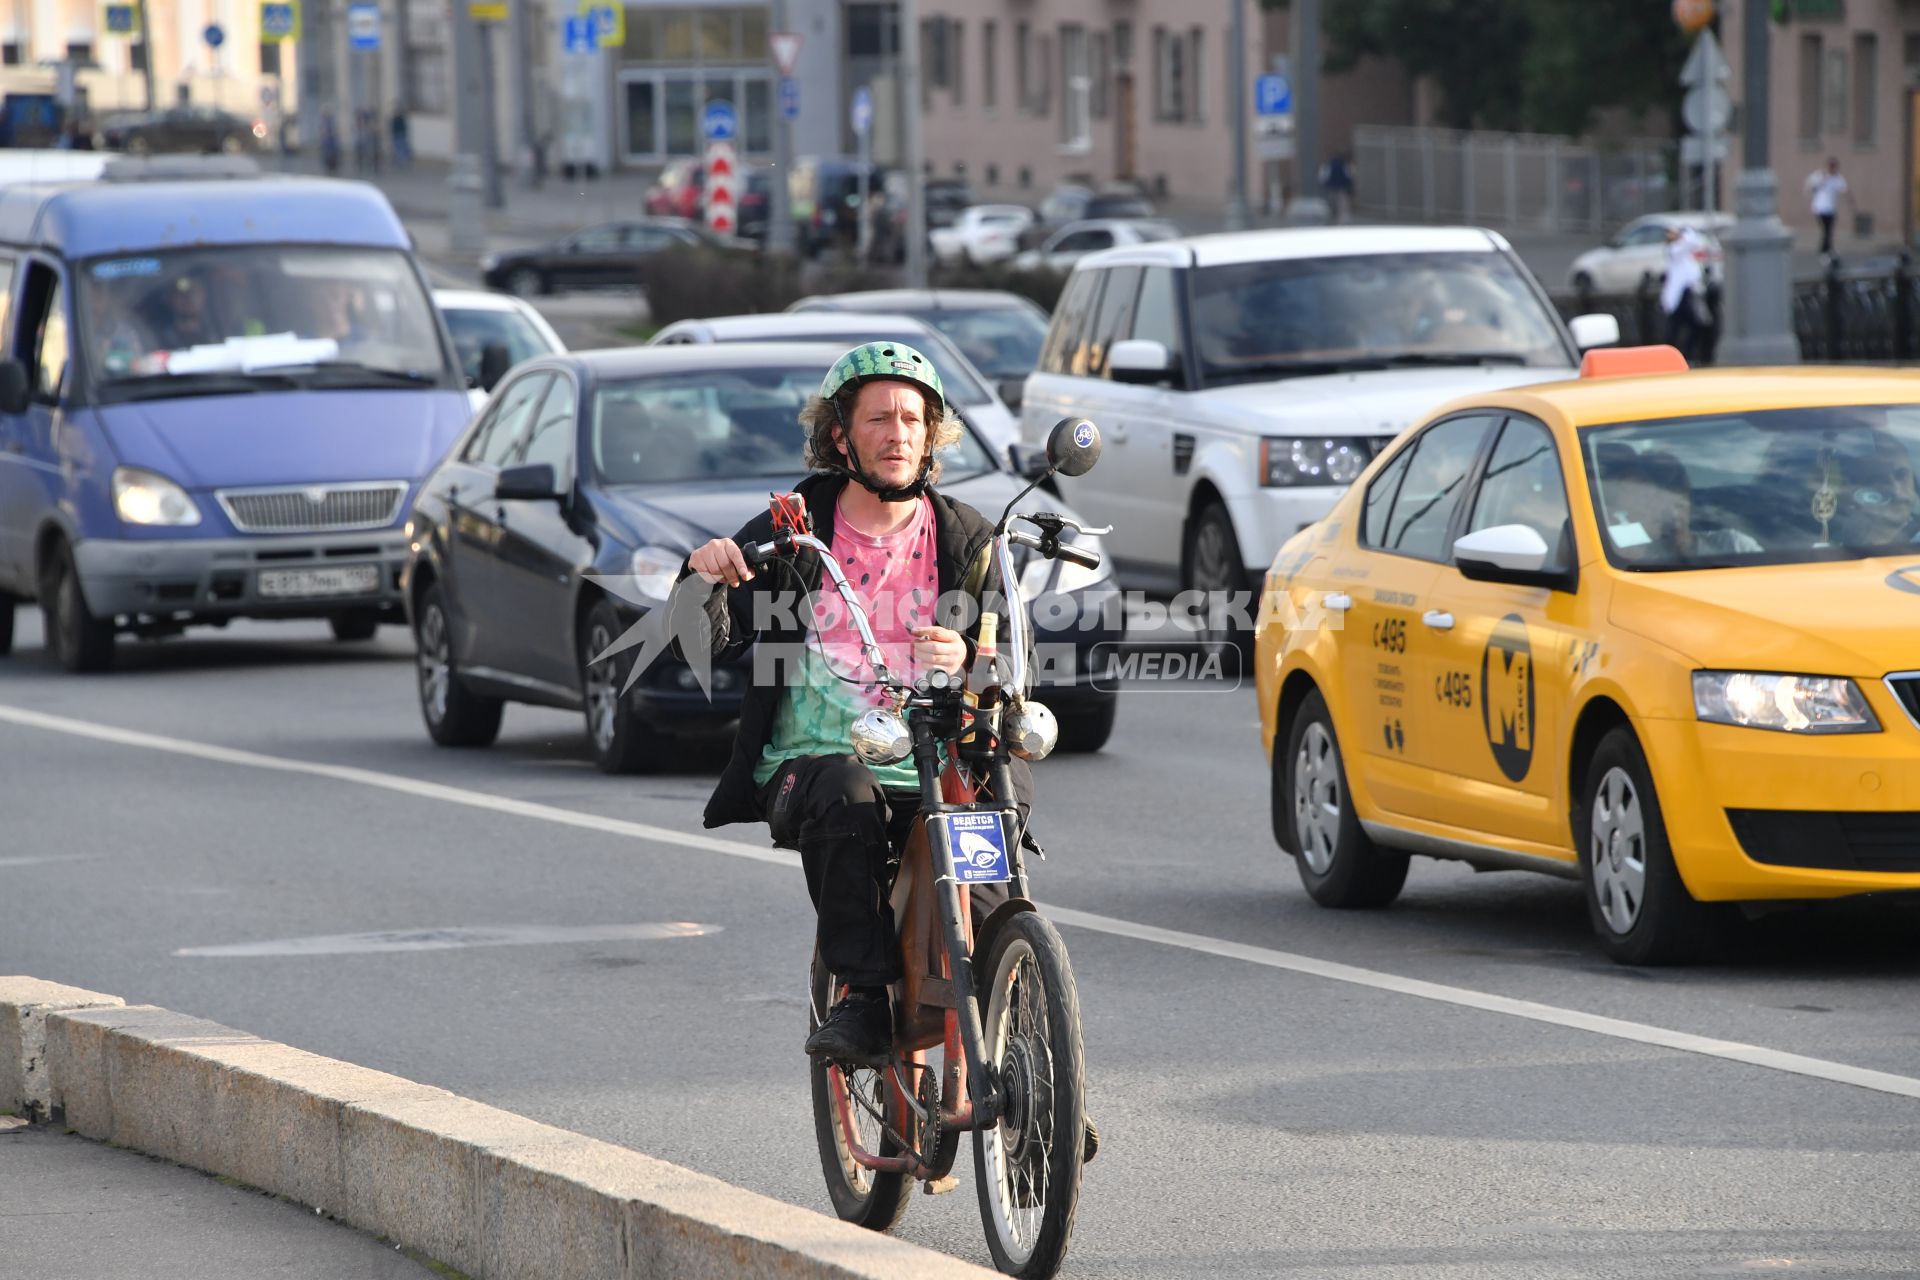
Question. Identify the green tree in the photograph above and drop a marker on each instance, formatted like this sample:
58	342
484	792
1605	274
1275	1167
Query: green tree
1543	65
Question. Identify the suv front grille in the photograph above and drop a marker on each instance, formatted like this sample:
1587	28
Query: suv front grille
314	508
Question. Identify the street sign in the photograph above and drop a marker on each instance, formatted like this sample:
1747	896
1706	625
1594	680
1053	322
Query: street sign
720	194
487	10
578	34
785	46
1272	96
1706	62
121	20
1273	137
1693	150
213	35
363	26
718	123
1707	108
862	110
789	98
609	23
279	20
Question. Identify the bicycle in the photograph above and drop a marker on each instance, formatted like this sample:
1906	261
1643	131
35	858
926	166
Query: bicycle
1014	1075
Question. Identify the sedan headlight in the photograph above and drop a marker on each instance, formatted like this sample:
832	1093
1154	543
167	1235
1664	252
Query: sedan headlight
146	497
1311	460
1789	704
655	569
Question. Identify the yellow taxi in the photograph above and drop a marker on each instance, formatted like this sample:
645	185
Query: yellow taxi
1655	631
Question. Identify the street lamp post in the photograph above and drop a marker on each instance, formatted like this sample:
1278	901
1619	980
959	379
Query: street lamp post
1237	95
780	237
1309	208
1759	249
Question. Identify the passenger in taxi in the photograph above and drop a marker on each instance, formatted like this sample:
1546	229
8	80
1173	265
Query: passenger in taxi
1646	501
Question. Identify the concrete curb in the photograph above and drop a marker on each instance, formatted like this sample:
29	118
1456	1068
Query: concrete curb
494	1194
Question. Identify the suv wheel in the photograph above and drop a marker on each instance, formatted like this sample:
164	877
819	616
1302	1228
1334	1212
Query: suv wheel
1212	563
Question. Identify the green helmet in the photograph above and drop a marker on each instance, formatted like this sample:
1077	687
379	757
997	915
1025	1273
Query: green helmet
883	360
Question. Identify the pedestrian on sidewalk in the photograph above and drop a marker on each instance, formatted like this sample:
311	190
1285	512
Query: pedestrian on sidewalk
1336	179
1826	186
1683	294
329	141
402	143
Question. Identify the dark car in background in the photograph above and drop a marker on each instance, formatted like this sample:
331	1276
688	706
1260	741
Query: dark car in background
946	197
564	513
824	193
1001	333
607	255
192	128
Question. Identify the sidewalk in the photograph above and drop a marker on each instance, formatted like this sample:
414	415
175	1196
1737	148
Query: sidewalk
74	1209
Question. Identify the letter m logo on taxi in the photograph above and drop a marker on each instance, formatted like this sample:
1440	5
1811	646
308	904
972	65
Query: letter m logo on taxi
1507	698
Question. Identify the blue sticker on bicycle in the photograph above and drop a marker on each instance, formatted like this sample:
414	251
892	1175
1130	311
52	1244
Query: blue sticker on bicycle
979	844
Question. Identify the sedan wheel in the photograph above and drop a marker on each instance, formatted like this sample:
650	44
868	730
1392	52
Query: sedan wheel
622	742
455	716
524	282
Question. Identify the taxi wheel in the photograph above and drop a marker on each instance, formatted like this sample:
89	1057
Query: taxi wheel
1338	864
455	716
1640	908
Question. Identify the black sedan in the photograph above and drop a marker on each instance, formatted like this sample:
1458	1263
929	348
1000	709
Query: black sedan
613	465
193	128
611	254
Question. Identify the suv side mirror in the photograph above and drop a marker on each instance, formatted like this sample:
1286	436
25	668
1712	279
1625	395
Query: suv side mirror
1515	554
1029	463
16	388
534	482
495	360
1597	330
1140	360
1012	391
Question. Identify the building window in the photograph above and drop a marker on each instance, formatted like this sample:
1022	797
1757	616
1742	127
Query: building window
1191	110
10	53
1043	74
427	88
957	60
80	51
1866	78
269	59
1833	92
1170	74
137	56
1099	102
1023	64
989	64
1076	90
1810	63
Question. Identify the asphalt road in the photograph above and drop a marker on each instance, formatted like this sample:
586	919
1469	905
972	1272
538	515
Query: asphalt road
1263	1114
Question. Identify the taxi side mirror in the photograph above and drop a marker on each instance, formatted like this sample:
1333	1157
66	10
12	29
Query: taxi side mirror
1515	554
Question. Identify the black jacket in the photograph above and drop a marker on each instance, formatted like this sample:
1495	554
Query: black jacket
961	535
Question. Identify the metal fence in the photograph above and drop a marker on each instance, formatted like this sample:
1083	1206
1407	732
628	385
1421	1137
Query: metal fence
1845	316
1512	181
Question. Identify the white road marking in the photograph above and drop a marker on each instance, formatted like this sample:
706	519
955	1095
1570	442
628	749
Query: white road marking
1619	1029
447	939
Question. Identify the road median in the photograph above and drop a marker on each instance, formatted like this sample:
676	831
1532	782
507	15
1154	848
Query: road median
480	1189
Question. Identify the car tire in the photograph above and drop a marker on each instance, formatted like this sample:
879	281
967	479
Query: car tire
1211	561
79	641
1640	908
455	716
621	741
8	604
360	624
1339	865
525	282
1086	729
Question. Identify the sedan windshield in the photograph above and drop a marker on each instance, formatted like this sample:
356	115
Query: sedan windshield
360	315
720	425
1779	486
1002	342
475	330
1256	321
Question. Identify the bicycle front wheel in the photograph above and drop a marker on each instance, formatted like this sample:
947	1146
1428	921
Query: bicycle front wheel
860	1195
1027	1166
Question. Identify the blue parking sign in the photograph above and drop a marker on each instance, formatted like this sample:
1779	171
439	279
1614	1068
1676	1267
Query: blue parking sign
1272	95
121	20
789	98
719	123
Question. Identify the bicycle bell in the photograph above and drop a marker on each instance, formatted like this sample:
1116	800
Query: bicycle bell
879	737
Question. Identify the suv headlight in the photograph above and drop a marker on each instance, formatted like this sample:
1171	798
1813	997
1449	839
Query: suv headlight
1788	704
146	497
1311	460
655	569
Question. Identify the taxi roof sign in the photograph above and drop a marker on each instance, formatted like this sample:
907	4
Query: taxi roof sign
1622	362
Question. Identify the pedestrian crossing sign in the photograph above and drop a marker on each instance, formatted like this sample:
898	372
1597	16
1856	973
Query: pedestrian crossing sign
121	20
279	20
609	22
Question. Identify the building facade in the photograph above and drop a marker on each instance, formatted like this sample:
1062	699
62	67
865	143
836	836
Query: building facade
239	73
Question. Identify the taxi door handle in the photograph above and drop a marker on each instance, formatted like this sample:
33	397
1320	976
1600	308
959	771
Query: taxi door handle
1438	619
1118	431
1338	601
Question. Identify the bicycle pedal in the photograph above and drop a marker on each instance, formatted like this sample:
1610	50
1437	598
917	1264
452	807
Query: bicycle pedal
940	1186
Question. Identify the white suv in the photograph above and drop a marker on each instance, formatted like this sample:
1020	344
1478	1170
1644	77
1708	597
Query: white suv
1242	381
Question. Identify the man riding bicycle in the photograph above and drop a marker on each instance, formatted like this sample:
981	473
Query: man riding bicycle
921	564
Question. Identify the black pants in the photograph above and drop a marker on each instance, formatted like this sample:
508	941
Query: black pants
1826	232
1684	329
849	831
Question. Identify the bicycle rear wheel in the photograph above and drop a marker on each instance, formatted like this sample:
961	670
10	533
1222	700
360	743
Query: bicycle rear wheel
860	1195
1027	1166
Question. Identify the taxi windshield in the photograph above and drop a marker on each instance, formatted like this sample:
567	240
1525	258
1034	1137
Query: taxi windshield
1778	486
356	317
1288	317
721	425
